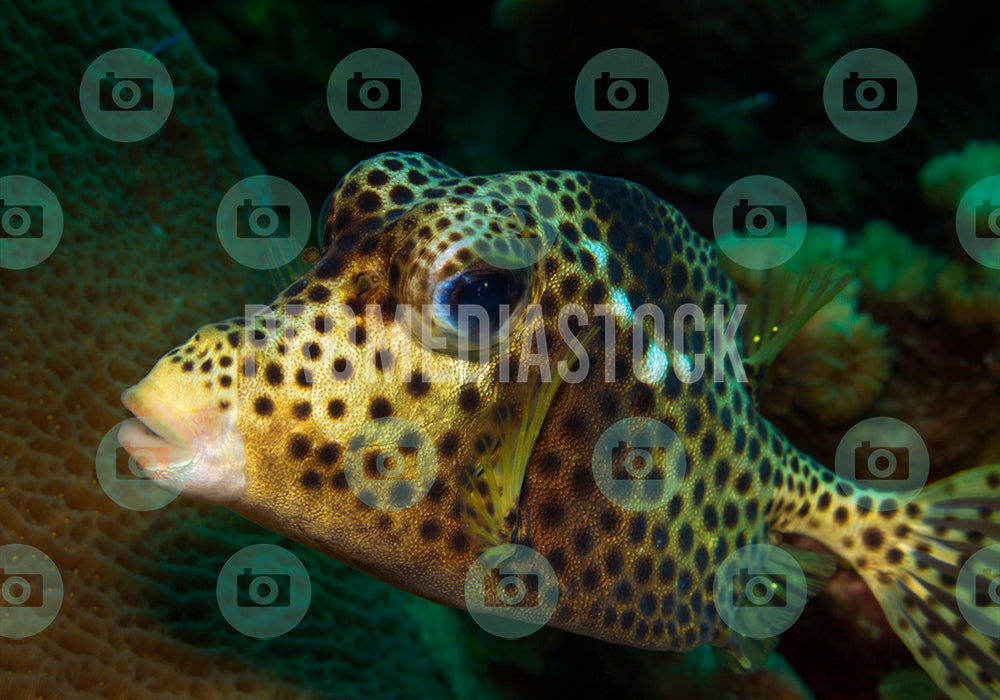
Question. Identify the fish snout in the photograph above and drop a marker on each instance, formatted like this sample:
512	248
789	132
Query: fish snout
185	434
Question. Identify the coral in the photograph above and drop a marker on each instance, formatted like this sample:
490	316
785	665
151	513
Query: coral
822	244
835	366
946	177
900	275
138	268
969	295
892	267
840	362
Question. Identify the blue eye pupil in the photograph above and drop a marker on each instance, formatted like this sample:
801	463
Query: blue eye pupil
488	290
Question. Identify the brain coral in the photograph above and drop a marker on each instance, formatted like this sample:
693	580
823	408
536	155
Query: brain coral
138	268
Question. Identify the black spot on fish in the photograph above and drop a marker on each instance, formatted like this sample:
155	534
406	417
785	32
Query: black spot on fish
613	563
328	453
263	406
430	529
311	479
643	569
273	374
550	513
685	538
743	482
666	571
610	520
298	446
342	369
379	407
418	385
448	445
637	528
730	515
468	398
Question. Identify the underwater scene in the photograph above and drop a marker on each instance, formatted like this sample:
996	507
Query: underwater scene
509	350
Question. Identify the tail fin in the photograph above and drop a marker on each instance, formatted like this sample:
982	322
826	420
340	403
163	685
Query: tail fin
943	610
914	559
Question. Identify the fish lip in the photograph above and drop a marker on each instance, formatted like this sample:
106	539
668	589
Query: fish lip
213	467
161	429
152	411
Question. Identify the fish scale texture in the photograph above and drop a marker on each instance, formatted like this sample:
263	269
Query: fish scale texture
138	267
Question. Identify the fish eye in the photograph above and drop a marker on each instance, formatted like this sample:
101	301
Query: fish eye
478	302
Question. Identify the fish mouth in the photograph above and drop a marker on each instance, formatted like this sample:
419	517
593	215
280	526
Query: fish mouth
155	439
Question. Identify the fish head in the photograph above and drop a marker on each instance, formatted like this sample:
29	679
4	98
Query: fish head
358	407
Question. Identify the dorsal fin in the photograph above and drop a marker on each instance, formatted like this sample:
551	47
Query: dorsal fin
779	310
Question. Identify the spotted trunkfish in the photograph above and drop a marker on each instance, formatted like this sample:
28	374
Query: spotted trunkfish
265	413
